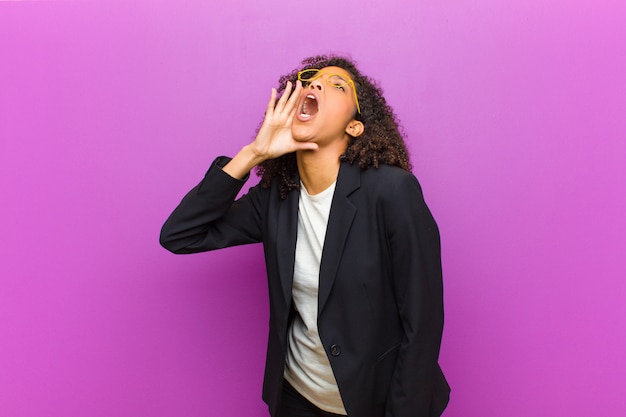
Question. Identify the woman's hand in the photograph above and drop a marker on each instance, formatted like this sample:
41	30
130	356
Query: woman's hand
274	138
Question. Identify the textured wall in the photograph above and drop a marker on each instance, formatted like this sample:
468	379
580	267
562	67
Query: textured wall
110	112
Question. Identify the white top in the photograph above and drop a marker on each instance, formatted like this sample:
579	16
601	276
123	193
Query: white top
307	367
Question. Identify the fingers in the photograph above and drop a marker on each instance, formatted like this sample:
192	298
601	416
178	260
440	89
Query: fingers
280	106
295	96
281	111
292	104
307	146
289	98
272	102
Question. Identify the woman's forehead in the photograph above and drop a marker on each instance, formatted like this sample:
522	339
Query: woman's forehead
337	70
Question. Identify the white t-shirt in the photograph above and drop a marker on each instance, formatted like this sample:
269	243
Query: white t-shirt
307	367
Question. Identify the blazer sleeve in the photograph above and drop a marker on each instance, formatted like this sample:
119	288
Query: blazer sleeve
415	252
209	218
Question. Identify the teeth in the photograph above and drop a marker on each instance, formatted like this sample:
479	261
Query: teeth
305	110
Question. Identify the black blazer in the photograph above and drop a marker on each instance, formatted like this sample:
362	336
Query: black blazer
380	313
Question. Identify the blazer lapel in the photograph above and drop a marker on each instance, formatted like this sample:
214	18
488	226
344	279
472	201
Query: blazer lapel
286	236
342	214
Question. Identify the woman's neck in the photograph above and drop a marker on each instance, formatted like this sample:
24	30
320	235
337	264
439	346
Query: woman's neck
319	169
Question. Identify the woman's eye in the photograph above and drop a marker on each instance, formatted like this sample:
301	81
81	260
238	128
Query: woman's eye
339	87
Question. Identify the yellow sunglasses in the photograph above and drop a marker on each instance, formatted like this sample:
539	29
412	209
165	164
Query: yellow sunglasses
335	80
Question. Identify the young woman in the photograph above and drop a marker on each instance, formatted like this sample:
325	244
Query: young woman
351	249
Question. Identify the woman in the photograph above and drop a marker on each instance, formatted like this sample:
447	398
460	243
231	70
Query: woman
352	251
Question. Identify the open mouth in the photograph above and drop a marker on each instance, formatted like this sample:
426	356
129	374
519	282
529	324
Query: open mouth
309	106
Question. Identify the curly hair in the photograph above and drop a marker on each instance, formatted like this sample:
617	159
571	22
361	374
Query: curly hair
381	142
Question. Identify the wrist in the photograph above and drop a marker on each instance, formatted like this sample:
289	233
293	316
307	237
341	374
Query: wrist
242	163
250	155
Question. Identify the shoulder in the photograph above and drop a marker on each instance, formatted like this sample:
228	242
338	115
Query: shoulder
389	180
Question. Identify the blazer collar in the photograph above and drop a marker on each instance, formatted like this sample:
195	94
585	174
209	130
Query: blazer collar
342	213
286	237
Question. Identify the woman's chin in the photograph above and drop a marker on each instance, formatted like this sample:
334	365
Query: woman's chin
301	134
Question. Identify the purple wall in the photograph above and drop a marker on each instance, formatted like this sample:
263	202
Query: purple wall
109	112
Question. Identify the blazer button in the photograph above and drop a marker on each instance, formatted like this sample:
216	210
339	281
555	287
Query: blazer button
335	350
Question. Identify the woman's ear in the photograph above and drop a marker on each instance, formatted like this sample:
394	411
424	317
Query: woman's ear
355	128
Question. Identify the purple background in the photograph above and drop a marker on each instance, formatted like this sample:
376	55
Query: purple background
110	112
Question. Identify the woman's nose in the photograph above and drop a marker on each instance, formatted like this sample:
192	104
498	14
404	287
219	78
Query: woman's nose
316	85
